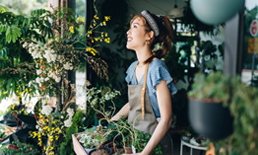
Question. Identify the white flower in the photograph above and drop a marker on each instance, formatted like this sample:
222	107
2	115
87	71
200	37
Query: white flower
46	110
50	55
58	79
39	71
46	79
70	112
31	44
40	130
25	45
68	66
38	80
68	122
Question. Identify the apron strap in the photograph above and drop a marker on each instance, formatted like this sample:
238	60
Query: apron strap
143	90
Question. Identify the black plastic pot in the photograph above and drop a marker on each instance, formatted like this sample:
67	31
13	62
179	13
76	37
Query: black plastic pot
210	120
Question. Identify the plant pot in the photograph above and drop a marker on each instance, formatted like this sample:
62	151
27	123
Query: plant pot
88	150
102	151
210	120
112	146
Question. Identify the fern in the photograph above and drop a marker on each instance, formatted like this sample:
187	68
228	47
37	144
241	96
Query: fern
13	33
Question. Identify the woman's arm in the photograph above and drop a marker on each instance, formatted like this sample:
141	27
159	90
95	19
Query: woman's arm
165	107
123	112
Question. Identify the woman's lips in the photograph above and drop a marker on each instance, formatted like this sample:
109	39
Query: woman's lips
129	39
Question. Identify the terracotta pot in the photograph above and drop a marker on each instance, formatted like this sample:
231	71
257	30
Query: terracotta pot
210	120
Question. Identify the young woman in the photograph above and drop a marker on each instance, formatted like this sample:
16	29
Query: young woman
150	85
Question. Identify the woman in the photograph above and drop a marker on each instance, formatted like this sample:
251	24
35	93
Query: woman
150	95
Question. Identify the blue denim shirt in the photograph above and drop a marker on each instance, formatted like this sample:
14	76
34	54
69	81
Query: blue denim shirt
157	71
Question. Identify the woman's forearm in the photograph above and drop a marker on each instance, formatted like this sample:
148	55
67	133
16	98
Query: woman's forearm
157	135
123	112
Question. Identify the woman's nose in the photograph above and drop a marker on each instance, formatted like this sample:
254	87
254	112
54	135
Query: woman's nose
128	32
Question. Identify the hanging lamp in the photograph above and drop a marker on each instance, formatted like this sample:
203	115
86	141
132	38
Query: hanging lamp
175	12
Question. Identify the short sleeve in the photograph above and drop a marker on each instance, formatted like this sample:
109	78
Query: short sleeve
158	72
130	71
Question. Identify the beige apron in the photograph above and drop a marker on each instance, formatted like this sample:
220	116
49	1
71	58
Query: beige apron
147	122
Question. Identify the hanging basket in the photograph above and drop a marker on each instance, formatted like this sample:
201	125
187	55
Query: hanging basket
210	120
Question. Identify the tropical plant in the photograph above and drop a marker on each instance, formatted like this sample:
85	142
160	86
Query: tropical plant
16	70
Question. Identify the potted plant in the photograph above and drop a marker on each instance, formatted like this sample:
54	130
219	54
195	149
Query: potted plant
243	106
208	113
93	138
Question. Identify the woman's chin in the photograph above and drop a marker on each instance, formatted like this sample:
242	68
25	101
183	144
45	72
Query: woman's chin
129	47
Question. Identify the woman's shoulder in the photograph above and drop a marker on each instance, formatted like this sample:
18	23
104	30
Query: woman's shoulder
157	63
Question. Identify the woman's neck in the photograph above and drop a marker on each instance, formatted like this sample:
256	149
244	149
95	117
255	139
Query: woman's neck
142	57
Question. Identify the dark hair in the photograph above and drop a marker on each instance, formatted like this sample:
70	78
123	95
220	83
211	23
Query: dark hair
164	38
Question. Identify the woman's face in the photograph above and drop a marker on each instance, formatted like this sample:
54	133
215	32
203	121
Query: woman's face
136	35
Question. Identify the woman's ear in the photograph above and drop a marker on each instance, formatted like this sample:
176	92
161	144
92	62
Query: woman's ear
150	35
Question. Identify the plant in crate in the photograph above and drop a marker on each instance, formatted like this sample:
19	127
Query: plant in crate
120	132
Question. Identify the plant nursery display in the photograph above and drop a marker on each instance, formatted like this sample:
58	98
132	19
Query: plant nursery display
54	47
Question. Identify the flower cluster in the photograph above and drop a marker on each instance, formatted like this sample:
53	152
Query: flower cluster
50	66
60	55
51	128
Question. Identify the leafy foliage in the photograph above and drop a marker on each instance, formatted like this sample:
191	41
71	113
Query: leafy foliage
243	107
18	148
15	69
66	147
214	87
242	101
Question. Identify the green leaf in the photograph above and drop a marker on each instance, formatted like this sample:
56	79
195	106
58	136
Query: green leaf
39	12
3	9
3	28
12	33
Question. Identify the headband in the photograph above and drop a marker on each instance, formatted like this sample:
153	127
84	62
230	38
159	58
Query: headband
151	21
